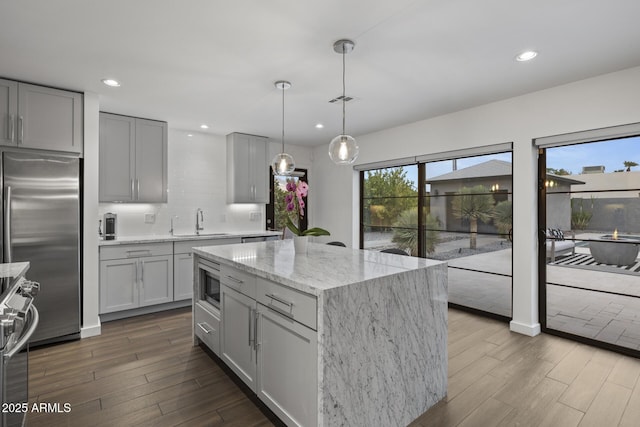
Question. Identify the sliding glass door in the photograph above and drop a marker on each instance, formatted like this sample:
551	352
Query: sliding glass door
457	210
589	241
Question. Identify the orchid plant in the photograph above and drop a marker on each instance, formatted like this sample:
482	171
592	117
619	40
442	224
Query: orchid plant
294	201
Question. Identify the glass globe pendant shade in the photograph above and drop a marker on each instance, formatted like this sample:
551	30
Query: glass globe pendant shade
343	150
282	164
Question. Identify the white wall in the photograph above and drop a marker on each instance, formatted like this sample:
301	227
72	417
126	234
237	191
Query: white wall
603	101
90	273
197	179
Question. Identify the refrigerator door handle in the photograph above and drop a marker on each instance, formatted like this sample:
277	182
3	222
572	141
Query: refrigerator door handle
7	224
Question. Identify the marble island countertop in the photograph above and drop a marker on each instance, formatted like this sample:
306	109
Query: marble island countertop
324	267
160	238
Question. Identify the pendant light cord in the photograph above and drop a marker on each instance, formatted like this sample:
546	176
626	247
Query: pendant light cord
343	89
283	117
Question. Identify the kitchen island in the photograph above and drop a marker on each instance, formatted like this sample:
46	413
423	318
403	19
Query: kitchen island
334	337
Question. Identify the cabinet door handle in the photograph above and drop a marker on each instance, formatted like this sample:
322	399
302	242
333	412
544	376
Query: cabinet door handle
20	129
138	252
250	322
133	194
205	330
137	188
142	275
135	276
11	133
280	300
255	330
238	281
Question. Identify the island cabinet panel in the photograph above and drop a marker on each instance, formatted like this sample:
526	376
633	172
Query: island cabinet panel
240	281
287	372
237	342
289	302
207	327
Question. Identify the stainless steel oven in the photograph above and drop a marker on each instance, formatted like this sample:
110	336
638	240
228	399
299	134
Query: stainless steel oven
209	276
18	321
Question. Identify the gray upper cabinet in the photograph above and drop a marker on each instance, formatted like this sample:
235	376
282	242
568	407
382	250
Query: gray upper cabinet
133	159
247	169
40	117
9	111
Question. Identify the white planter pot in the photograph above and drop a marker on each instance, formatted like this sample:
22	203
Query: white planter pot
300	244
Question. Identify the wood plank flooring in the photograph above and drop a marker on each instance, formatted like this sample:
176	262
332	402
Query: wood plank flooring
144	371
141	371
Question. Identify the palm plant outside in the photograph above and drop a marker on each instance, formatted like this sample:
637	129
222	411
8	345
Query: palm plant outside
405	235
473	204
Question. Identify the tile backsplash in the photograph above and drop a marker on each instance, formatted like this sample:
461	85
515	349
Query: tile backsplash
197	179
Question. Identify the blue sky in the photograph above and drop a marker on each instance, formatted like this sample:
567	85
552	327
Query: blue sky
610	154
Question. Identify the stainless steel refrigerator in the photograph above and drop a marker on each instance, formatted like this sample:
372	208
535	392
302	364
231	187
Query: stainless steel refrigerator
41	224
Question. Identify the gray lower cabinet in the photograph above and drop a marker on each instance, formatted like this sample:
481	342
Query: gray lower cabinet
267	340
41	117
182	276
133	276
133	159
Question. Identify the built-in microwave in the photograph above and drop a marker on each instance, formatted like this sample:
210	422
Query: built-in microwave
209	282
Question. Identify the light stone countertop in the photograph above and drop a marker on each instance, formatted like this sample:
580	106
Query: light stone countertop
162	238
13	269
323	267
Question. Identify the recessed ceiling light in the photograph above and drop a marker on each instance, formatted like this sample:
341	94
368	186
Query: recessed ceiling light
204	127
319	126
111	82
526	56
189	135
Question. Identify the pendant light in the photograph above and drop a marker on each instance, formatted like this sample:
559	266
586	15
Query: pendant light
343	149
282	164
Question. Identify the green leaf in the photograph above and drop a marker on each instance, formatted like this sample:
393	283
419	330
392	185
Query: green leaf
315	231
293	227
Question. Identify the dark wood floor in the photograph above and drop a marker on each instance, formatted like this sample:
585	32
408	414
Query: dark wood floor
141	371
144	371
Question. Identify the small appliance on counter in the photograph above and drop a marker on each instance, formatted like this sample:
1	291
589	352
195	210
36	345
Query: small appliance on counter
110	226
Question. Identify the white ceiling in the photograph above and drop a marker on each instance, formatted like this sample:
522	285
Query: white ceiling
209	61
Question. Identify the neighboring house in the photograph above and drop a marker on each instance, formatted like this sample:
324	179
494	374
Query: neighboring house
610	209
496	176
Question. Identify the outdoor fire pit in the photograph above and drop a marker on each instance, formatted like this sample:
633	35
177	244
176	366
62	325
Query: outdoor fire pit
615	250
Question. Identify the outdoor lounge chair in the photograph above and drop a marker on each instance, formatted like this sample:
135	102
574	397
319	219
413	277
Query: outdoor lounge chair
556	244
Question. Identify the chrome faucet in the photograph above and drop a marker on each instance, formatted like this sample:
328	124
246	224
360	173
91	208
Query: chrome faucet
199	220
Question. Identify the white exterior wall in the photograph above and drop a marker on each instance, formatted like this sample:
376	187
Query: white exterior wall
603	101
